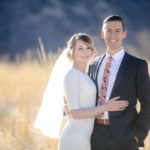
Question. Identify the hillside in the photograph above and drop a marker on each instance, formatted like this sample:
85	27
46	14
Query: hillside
23	21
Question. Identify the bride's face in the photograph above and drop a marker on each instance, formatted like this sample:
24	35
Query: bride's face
82	53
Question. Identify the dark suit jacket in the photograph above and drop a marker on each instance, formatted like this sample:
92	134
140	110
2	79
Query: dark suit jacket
132	83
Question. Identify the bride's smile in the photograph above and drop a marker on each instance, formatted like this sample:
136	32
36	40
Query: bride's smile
82	52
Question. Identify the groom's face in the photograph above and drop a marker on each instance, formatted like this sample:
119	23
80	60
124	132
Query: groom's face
113	35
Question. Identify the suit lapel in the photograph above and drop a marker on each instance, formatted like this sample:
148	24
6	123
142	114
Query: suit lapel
121	72
98	65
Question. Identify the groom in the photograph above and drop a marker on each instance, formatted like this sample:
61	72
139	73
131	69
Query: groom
128	78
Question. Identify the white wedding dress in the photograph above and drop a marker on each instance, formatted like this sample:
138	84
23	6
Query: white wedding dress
80	92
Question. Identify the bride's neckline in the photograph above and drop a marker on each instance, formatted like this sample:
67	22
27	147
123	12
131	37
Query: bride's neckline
79	71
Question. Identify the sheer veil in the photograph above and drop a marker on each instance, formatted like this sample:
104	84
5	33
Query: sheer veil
50	115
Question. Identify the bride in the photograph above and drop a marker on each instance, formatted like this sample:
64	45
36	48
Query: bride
80	93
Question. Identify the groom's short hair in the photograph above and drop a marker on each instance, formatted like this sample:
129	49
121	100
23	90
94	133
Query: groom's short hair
115	18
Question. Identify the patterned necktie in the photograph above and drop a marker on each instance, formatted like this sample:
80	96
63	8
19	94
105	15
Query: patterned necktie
104	85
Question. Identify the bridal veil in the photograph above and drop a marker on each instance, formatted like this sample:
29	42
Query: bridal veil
50	115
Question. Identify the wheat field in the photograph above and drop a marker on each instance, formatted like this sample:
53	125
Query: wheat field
22	84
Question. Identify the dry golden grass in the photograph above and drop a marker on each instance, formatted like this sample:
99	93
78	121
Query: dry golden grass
22	86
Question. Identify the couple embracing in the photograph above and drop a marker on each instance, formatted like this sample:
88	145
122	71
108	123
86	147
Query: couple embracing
101	96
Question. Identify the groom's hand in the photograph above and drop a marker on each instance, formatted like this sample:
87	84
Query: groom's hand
66	107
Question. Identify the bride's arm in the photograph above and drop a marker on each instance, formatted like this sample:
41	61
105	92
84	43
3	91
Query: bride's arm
112	105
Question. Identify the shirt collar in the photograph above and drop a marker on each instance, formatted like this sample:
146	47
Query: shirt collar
118	56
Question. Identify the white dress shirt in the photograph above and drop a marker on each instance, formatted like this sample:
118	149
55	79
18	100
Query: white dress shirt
115	64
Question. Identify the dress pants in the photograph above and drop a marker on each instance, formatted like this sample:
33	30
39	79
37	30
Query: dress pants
103	139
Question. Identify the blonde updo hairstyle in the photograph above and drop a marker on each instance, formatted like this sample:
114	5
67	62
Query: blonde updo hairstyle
71	44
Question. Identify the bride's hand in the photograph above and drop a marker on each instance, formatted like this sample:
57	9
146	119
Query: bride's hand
115	105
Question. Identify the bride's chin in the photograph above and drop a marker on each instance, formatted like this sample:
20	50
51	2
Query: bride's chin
86	60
